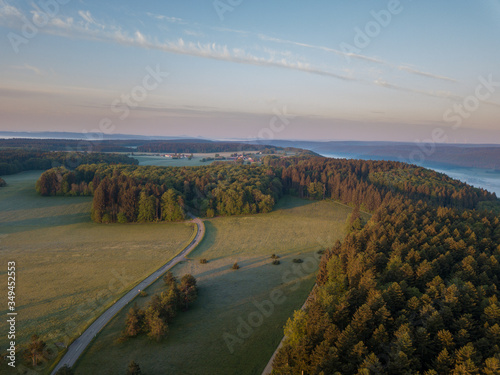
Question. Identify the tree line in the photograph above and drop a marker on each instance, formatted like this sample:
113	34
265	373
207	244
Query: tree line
18	160
162	308
128	193
368	183
131	193
414	291
70	145
116	145
203	147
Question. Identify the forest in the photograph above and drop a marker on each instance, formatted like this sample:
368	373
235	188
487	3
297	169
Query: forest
18	160
131	145
129	193
412	291
203	147
70	145
145	194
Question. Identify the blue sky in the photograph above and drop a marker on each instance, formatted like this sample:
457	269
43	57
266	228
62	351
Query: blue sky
332	70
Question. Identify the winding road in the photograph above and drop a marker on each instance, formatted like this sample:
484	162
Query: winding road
78	346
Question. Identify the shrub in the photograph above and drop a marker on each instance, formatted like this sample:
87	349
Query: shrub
274	256
143	293
122	219
106	219
236	266
322	251
298	260
276	262
203	261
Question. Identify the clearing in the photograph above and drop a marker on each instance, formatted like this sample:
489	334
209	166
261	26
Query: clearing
70	269
210	338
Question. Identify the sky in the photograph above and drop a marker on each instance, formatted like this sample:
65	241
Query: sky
396	70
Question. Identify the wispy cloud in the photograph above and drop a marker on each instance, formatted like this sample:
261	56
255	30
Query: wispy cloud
89	28
322	48
27	67
162	17
194	33
435	94
68	27
7	10
86	16
356	56
425	74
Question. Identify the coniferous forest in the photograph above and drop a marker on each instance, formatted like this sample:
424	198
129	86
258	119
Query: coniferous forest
414	290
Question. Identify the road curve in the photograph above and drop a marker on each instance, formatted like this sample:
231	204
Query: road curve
76	349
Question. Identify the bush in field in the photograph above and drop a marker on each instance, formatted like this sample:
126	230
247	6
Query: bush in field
276	262
122	219
134	369
236	266
274	256
203	261
162	308
298	260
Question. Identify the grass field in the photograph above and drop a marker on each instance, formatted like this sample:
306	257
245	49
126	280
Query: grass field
161	161
210	337
68	268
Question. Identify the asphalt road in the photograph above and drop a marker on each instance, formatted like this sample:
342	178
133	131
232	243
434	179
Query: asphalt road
76	349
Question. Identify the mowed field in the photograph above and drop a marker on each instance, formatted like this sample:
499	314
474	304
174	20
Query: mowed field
68	268
237	321
161	161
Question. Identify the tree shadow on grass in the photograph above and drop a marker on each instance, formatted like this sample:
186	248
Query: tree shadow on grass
45	222
246	263
288	202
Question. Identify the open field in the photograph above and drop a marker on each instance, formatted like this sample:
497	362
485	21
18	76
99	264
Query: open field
208	339
161	161
68	268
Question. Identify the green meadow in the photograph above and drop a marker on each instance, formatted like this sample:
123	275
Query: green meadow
237	321
68	268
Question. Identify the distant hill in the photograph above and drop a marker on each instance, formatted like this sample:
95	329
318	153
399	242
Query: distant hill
140	145
469	156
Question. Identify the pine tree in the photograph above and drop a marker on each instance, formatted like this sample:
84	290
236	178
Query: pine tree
157	328
133	321
170	206
146	208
